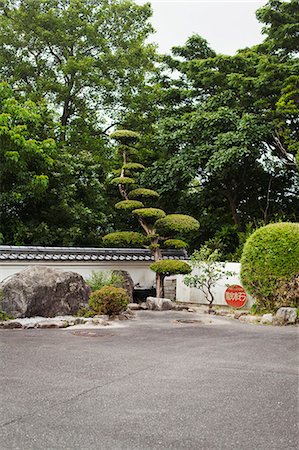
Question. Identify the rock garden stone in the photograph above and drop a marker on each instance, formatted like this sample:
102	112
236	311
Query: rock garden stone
238	314
134	306
127	284
43	291
285	316
267	319
249	319
159	304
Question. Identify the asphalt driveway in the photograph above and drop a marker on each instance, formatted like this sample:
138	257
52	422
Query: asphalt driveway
151	383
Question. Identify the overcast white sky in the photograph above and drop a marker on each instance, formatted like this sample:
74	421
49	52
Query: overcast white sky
227	25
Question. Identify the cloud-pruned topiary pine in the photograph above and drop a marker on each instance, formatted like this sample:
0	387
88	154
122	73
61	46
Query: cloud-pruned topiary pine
270	263
159	229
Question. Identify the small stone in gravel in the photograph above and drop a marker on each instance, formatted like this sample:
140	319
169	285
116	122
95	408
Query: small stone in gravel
52	324
134	306
249	319
267	318
10	325
238	314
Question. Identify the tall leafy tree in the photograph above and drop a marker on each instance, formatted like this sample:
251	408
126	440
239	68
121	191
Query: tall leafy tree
47	195
229	130
88	58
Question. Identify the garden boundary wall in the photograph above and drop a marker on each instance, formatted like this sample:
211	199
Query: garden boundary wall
84	261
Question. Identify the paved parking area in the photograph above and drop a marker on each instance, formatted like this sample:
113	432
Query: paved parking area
151	383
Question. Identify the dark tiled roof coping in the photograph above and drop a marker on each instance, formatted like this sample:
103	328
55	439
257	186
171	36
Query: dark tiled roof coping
38	253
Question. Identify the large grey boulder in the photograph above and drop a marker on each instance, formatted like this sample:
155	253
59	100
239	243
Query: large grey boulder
285	316
43	291
159	304
127	284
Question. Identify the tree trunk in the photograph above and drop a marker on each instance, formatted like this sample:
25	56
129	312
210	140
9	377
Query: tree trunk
159	284
233	207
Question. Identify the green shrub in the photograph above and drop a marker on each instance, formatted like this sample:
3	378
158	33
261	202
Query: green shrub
97	280
269	262
123	180
169	267
128	205
125	137
85	312
124	239
143	193
175	243
176	223
133	166
4	316
150	214
109	300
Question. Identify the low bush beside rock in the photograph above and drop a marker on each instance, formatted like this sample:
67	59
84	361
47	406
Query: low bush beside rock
109	300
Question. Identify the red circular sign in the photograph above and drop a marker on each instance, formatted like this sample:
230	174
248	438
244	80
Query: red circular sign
235	296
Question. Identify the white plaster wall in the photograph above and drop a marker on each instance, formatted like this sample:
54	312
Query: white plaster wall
138	270
193	295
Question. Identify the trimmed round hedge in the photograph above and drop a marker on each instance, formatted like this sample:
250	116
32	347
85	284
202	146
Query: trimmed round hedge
143	193
133	166
151	214
270	260
176	223
175	243
169	267
125	137
128	205
123	180
109	300
124	239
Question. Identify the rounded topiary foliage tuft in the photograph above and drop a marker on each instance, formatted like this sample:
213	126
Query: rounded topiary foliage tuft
125	137
109	300
169	267
270	258
123	180
143	193
150	214
133	166
124	239
175	243
176	223
128	205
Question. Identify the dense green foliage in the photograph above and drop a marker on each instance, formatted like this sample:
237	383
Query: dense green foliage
97	280
150	214
133	166
176	224
270	261
48	196
218	134
122	180
169	267
175	243
109	300
124	239
128	205
143	193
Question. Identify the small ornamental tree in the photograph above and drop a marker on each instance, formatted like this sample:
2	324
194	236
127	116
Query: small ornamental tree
159	229
210	270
